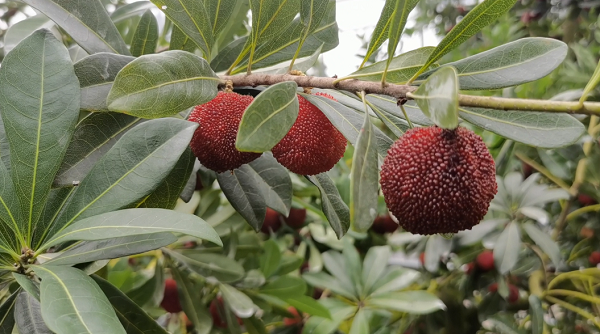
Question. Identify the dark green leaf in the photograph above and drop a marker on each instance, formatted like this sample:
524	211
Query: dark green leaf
40	106
285	287
55	202
254	326
381	31
413	302
145	37
289	263
218	266
163	84
20	30
73	303
268	118
113	248
87	22
130	222
238	302
134	319
28	315
274	183
332	204
537	315
150	293
7	310
401	68
507	248
543	240
28	285
438	98
271	258
180	41
397	22
308	305
190	294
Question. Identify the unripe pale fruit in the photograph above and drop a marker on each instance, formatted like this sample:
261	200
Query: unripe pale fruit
170	300
594	258
485	260
313	145
292	321
213	142
296	218
384	224
438	181
271	222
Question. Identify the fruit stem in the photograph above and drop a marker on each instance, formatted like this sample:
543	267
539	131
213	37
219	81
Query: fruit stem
410	125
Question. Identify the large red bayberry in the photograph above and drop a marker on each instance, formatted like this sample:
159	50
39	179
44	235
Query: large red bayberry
213	142
436	180
170	300
313	145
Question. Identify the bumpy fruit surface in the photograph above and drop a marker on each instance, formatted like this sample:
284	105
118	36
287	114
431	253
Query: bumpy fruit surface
313	145
271	222
214	140
485	260
384	224
296	218
170	300
438	181
594	258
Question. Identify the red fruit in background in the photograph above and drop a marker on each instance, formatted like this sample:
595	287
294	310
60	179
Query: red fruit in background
586	232
313	145
422	258
493	288
527	170
384	224
188	323
594	258
170	300
292	321
438	181
296	218
513	294
586	200
190	244
485	260
214	140
217	311
469	268
271	222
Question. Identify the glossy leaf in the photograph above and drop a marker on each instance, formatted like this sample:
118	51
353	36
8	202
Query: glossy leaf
374	266
543	240
238	302
400	70
268	118
113	248
274	183
285	287
508	246
438	98
7	310
218	266
396	25
163	84
360	323
332	204
87	22
538	129
133	318
413	302
29	315
243	192
381	31
20	30
364	178
271	258
39	106
145	37
482	15
191	301
191	17
511	64
129	171
73	303
537	315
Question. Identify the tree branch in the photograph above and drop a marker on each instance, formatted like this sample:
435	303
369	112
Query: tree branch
404	91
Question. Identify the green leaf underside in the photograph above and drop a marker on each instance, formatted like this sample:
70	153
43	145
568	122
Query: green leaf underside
87	22
20	30
268	118
73	303
437	97
332	204
28	285
159	85
390	106
381	31
219	12
218	266
401	68
274	183
237	301
543	240
29	319
39	95
130	222
145	37
508	246
396	26
242	190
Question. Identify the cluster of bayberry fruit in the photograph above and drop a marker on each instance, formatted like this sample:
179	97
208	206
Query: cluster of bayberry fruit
433	180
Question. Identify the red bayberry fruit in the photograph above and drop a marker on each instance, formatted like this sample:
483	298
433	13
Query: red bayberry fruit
485	260
296	218
313	145
271	222
217	311
214	140
292	321
438	181
384	224
513	294
469	268
493	288
586	200
422	258
594	258
170	300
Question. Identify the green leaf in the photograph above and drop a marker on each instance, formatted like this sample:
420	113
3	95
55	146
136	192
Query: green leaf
130	222
594	80
238	302
130	10
381	31
270	259
539	129
219	12
218	266
96	74
39	106
374	266
324	281
7	310
269	17
180	41
112	248
394	123
268	118
401	68
332	204
254	326
73	303
339	310
311	15
20	30
394	279
364	178
150	293
190	295
390	106
163	84
274	183
55	202
543	240
285	287
504	323
482	15
396	26
145	37
133	168
537	315
242	190
289	263
28	285
511	64
507	248
87	22
308	305
93	137
133	318
360	323
191	17
28	315
438	98
413	302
